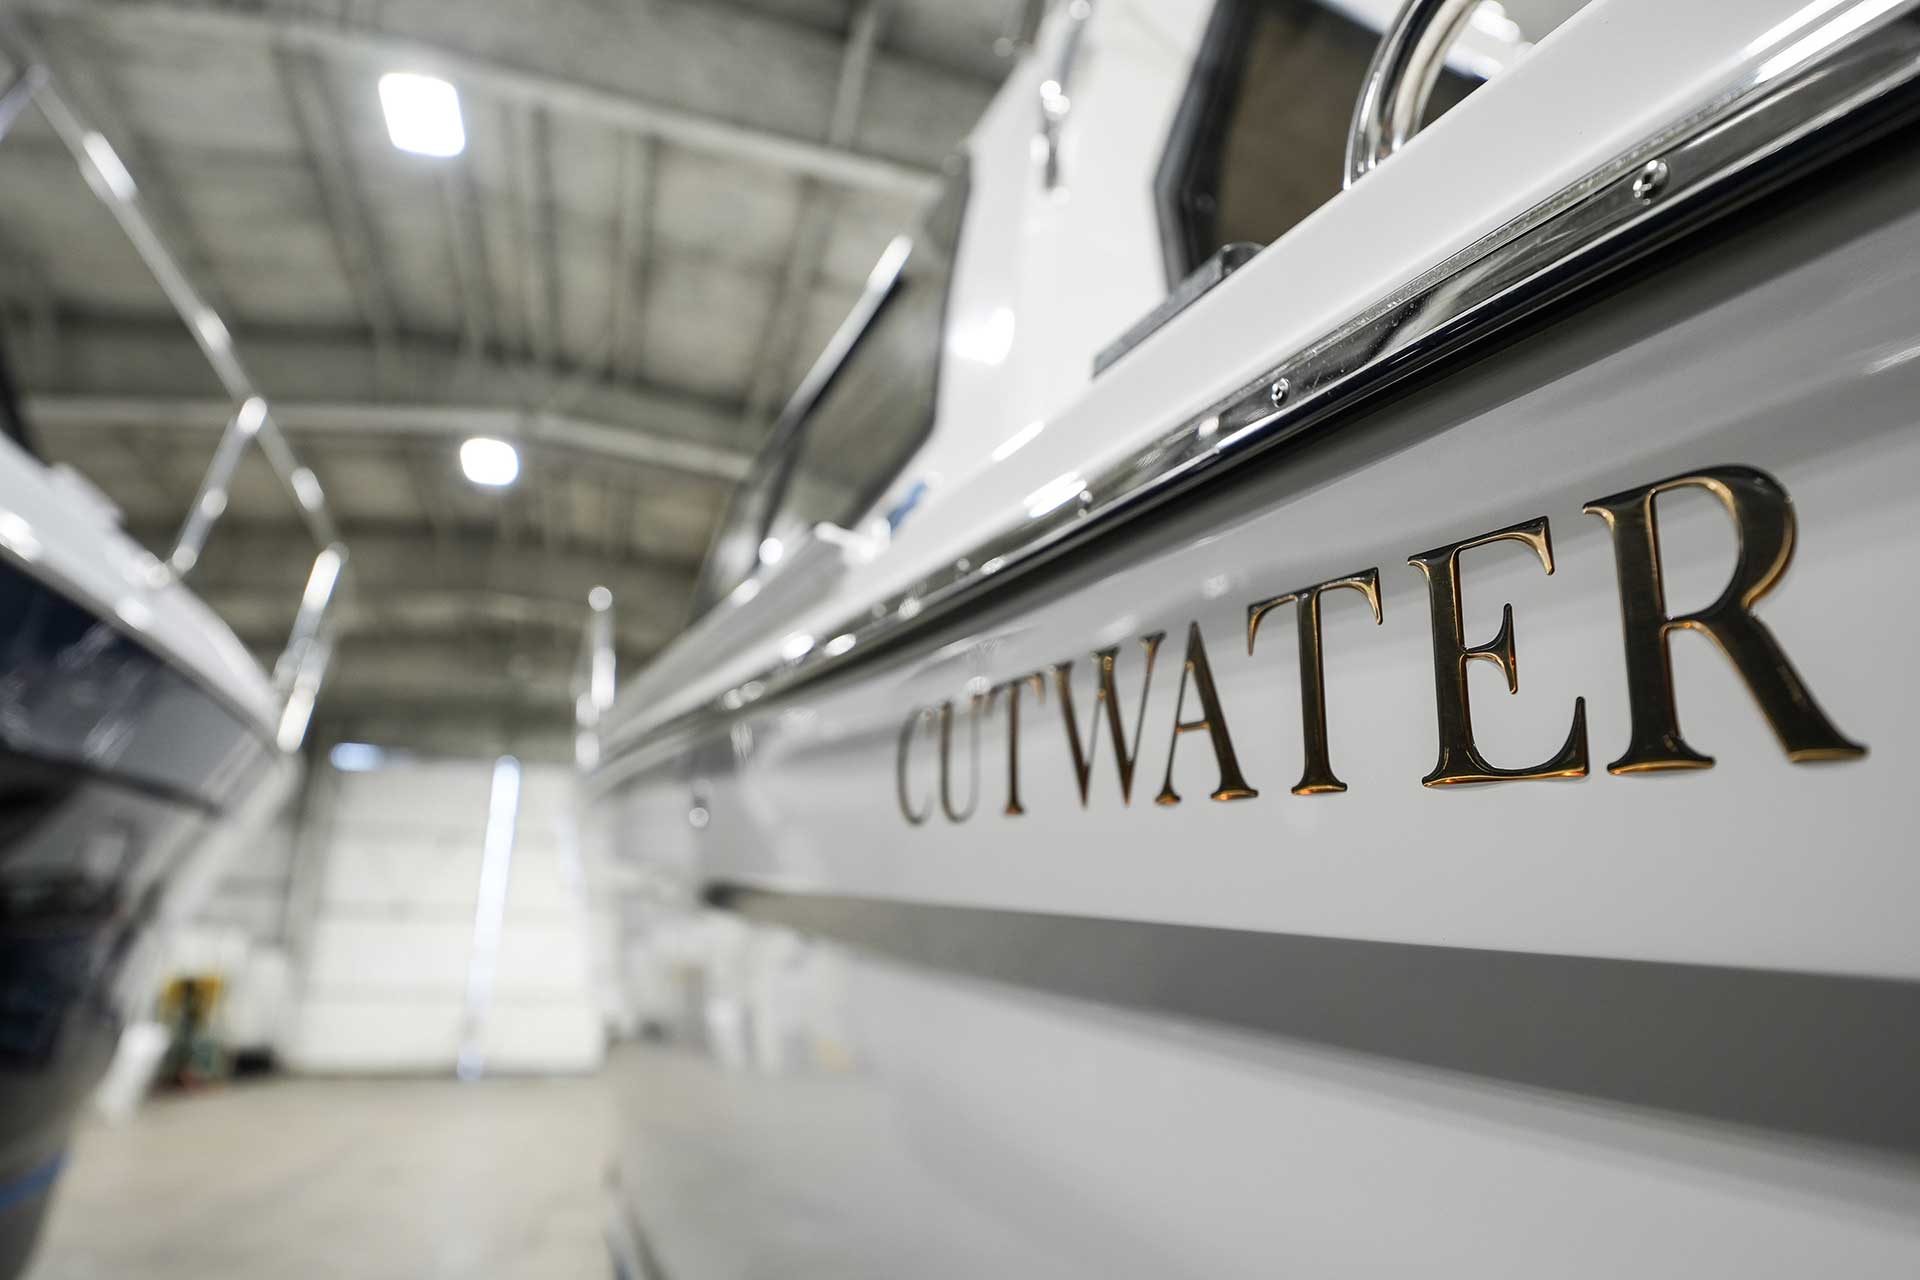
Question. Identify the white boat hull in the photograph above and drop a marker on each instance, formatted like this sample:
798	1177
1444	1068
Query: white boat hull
1581	1023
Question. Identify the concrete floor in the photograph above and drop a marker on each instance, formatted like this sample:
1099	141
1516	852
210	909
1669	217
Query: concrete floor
339	1178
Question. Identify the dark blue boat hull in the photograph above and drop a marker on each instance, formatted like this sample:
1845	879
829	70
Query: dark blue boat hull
113	768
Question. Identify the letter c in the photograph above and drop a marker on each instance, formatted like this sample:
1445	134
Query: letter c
918	717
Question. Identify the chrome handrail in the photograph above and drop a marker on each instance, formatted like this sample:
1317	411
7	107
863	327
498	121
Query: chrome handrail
593	678
1055	91
1393	98
301	667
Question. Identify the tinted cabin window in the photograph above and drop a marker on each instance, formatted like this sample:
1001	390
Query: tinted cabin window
1261	139
857	419
879	407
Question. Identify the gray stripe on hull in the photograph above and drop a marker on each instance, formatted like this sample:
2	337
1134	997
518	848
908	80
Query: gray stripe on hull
1822	1056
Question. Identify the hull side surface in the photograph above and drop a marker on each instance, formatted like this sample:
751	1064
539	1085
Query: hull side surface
113	769
858	1089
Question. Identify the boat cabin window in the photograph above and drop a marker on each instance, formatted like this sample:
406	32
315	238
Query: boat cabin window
878	407
860	413
1260	141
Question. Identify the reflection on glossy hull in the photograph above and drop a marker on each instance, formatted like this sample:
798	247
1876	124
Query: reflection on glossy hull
862	1117
114	768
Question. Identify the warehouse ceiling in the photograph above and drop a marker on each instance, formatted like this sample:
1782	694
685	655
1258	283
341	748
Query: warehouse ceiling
663	210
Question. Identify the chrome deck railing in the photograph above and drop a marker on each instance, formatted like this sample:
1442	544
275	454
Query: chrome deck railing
301	668
593	676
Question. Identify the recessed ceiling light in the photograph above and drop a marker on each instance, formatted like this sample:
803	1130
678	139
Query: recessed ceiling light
490	462
423	114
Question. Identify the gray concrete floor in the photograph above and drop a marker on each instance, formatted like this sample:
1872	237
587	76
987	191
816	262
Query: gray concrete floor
340	1178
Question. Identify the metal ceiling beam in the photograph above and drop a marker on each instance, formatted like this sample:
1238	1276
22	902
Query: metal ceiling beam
475	593
441	727
537	429
863	40
424	612
429	490
156	475
79	72
317	119
23	281
839	166
496	673
771	378
638	162
467	245
531	169
398	555
627	276
813	224
141	360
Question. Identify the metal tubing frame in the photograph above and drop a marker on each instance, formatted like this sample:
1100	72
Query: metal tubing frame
301	668
210	503
1056	90
19	96
1405	67
593	678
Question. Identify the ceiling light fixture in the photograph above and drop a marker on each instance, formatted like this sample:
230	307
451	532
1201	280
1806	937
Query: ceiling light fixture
423	114
357	757
489	462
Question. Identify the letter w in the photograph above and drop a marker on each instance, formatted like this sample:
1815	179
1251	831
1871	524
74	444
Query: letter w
1107	696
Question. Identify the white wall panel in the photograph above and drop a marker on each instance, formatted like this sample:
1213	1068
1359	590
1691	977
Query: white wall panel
542	885
543	960
354	954
437	870
414	796
252	889
360	1036
390	954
